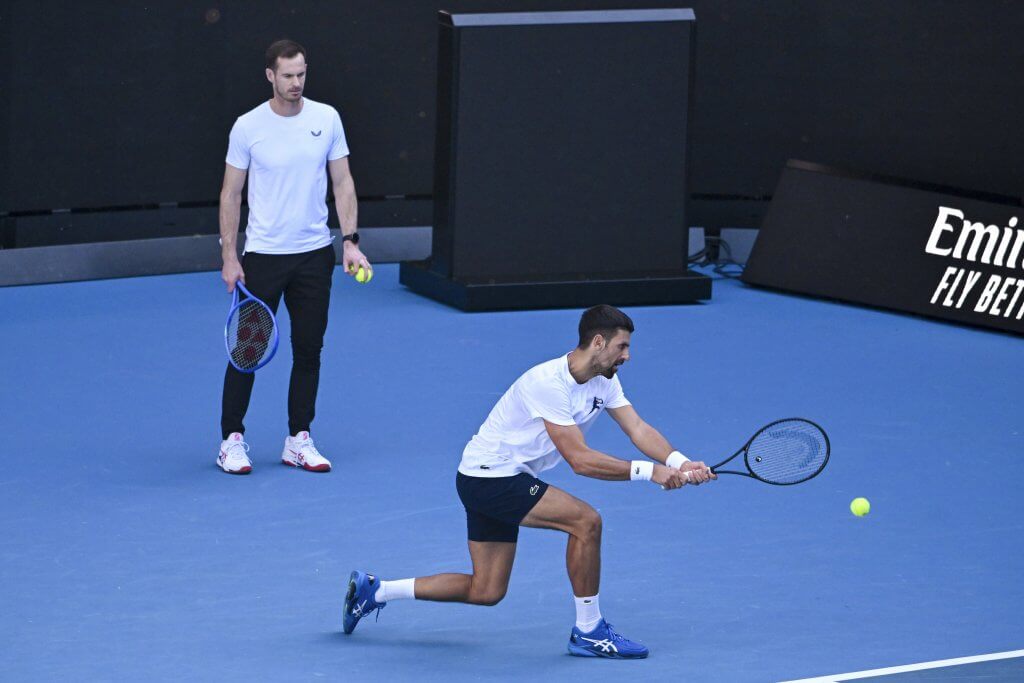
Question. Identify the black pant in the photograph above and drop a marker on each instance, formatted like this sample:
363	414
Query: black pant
305	281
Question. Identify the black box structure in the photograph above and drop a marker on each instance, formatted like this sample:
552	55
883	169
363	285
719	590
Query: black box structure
561	161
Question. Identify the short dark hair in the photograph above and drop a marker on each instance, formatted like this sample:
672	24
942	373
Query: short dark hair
283	48
604	320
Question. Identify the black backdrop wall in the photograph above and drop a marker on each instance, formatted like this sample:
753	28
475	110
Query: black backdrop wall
124	104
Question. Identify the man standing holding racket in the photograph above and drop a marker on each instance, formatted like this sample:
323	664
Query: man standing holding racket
286	146
538	421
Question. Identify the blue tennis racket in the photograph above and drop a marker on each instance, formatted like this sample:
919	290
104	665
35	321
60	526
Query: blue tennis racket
250	333
784	452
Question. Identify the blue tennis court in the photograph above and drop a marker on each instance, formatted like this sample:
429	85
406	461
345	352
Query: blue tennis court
128	555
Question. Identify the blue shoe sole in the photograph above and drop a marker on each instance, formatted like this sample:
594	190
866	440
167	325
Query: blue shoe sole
346	625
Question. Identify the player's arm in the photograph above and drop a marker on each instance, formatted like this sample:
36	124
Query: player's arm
344	188
651	443
230	213
585	461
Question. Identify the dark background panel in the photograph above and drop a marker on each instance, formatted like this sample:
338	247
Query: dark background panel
915	89
116	104
571	148
121	104
5	80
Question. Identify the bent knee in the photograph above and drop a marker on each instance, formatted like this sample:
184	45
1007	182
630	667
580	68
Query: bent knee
489	601
589	526
487	598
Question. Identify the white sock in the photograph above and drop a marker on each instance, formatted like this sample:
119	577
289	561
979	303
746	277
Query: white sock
588	613
395	590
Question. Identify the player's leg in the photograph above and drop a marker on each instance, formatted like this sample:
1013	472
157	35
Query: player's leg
563	512
591	636
308	297
487	585
265	278
492	566
494	509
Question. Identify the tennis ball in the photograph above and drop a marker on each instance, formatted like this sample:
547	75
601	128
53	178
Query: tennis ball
363	276
860	506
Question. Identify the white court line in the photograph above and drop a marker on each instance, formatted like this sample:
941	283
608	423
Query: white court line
911	667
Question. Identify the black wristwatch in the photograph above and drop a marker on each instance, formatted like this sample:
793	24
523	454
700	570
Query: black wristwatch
354	237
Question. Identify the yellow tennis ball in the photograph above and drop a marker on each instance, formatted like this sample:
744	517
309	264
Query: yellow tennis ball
363	276
860	506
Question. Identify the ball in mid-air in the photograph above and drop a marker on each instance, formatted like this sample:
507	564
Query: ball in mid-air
860	506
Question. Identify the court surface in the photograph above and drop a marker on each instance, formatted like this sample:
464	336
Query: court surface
125	554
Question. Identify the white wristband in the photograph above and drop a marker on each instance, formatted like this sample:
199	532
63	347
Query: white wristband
641	470
676	459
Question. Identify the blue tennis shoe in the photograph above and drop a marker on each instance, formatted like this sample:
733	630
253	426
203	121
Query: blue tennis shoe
604	641
359	600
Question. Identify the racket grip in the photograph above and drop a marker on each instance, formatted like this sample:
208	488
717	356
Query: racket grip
687	473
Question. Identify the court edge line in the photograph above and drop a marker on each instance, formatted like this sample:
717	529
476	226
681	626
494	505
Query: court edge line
910	667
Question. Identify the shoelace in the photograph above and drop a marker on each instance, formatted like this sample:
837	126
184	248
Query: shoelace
231	450
380	605
615	637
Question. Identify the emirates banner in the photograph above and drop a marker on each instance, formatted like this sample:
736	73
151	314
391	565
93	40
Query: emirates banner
898	244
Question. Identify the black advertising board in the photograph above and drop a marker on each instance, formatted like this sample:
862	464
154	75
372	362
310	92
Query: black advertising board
930	250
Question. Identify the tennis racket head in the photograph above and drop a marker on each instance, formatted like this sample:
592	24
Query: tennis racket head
787	452
250	333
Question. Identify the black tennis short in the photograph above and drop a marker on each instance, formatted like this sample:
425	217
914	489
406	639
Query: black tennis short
496	505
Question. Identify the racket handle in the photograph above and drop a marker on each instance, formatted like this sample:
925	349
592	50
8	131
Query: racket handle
687	473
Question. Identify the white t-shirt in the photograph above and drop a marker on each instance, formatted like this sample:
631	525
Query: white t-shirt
513	439
286	157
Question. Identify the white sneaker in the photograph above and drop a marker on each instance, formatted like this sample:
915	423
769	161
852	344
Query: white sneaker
299	451
233	457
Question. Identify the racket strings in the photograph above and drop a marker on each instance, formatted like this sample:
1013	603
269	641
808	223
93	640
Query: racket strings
788	452
250	335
